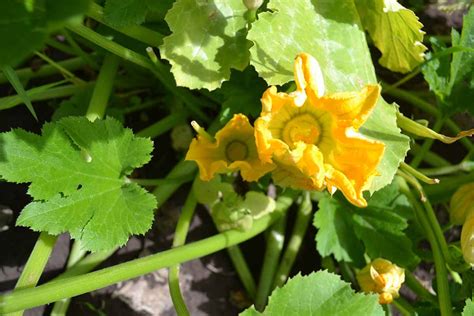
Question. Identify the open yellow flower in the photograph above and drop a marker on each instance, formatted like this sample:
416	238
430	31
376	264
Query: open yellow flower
312	138
233	149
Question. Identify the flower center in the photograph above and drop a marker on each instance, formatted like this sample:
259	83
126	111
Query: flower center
236	150
304	127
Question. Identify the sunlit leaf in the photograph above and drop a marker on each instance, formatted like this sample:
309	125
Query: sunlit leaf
395	31
208	39
320	293
77	173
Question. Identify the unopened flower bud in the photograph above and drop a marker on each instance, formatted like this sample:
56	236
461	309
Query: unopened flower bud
181	137
467	239
462	204
382	277
253	4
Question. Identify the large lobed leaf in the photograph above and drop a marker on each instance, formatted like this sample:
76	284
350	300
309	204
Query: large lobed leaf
331	32
24	25
344	230
395	31
208	39
320	293
77	172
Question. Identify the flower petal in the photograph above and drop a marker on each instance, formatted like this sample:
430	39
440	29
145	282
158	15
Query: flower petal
308	75
301	168
350	108
353	163
220	156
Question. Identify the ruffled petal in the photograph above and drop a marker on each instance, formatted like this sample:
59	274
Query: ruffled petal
308	76
350	108
354	160
301	168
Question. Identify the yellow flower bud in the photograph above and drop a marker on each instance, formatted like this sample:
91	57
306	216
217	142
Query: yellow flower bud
462	204
467	239
382	277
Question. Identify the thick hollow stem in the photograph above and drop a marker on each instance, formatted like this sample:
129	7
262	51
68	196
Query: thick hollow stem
179	239
303	218
103	88
76	285
444	298
35	265
163	125
243	270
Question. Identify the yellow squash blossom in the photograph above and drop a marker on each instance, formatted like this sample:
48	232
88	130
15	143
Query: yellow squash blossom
462	204
382	277
312	138
467	239
233	149
462	213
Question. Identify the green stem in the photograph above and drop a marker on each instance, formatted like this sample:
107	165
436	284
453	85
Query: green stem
103	88
430	157
163	125
65	72
427	108
404	79
303	218
35	265
25	74
183	169
464	166
438	232
412	282
440	264
137	32
40	94
77	253
60	46
447	186
76	285
275	242
179	239
427	144
142	106
110	45
417	174
404	307
79	51
242	268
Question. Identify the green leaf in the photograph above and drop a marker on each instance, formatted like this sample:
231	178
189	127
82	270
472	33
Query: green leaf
345	230
320	293
24	25
462	68
242	93
208	39
395	31
123	13
331	32
209	192
77	172
381	227
336	235
10	74
468	308
436	70
451	79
